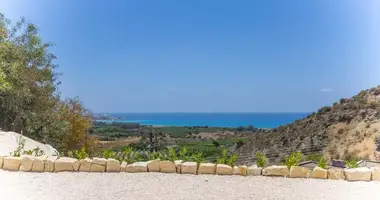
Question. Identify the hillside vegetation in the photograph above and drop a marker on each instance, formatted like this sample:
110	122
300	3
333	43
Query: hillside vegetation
347	129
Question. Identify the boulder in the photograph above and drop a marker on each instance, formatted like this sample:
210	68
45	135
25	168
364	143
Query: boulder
358	174
99	161
85	165
240	170
222	169
113	165
137	167
254	170
189	168
11	163
123	166
335	174
167	166
97	168
299	172
276	171
65	164
319	173
178	164
375	173
39	164
206	168
153	166
49	164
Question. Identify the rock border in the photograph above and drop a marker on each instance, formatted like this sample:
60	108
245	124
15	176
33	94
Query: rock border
60	164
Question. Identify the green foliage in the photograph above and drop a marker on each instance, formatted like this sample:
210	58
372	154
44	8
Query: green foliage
322	163
351	163
198	158
172	155
182	154
80	154
231	161
109	154
224	159
261	159
293	159
21	144
314	157
28	152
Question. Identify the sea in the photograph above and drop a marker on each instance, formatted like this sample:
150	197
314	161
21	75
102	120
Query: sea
258	120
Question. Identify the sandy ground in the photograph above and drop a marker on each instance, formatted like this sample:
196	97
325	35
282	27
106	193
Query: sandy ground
111	186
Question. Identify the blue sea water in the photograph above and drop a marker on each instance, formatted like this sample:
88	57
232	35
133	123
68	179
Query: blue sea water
258	120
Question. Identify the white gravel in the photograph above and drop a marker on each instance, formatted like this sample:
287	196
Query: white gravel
112	186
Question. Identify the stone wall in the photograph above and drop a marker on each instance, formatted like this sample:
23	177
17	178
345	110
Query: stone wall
99	165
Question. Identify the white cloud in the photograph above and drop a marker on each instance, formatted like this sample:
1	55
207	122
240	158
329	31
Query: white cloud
326	90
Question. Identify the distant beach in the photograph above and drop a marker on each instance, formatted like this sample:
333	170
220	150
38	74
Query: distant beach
258	120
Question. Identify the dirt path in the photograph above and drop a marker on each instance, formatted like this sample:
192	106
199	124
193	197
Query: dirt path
108	186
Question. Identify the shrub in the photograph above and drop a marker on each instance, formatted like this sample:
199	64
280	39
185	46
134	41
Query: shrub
261	159
80	154
172	154
20	147
198	157
293	159
38	152
322	163
351	163
109	154
231	161
28	152
224	159
183	154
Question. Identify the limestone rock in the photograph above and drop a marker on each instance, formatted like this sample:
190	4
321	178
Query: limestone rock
99	161
77	165
26	163
254	170
85	165
240	170
319	173
178	164
189	168
299	172
113	165
49	164
137	167
206	168
12	163
277	171
335	174
39	164
153	165
1	161
97	168
65	164
222	169
358	174
375	173
167	166
123	166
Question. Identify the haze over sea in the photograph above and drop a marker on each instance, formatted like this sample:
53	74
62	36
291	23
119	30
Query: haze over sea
258	120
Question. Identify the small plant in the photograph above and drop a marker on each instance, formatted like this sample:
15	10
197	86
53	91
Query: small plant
183	154
172	154
21	144
224	159
28	152
38	152
231	161
292	160
351	163
322	163
261	159
198	157
80	154
109	154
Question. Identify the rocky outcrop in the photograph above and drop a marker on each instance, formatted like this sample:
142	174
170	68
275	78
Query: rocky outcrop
276	171
299	172
12	163
113	165
85	165
153	165
65	164
319	173
335	174
167	166
206	168
137	167
189	168
254	170
222	169
375	173
26	163
358	174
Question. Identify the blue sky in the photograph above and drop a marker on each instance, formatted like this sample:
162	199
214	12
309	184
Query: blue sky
209	56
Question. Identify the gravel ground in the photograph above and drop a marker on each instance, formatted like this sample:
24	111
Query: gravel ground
112	186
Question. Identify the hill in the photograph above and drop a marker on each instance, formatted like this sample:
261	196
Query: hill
347	129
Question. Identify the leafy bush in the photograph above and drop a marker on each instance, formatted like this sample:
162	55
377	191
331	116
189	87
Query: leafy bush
38	152
109	154
292	160
172	154
231	161
261	159
322	163
351	163
28	152
198	158
20	147
224	159
80	154
183	154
